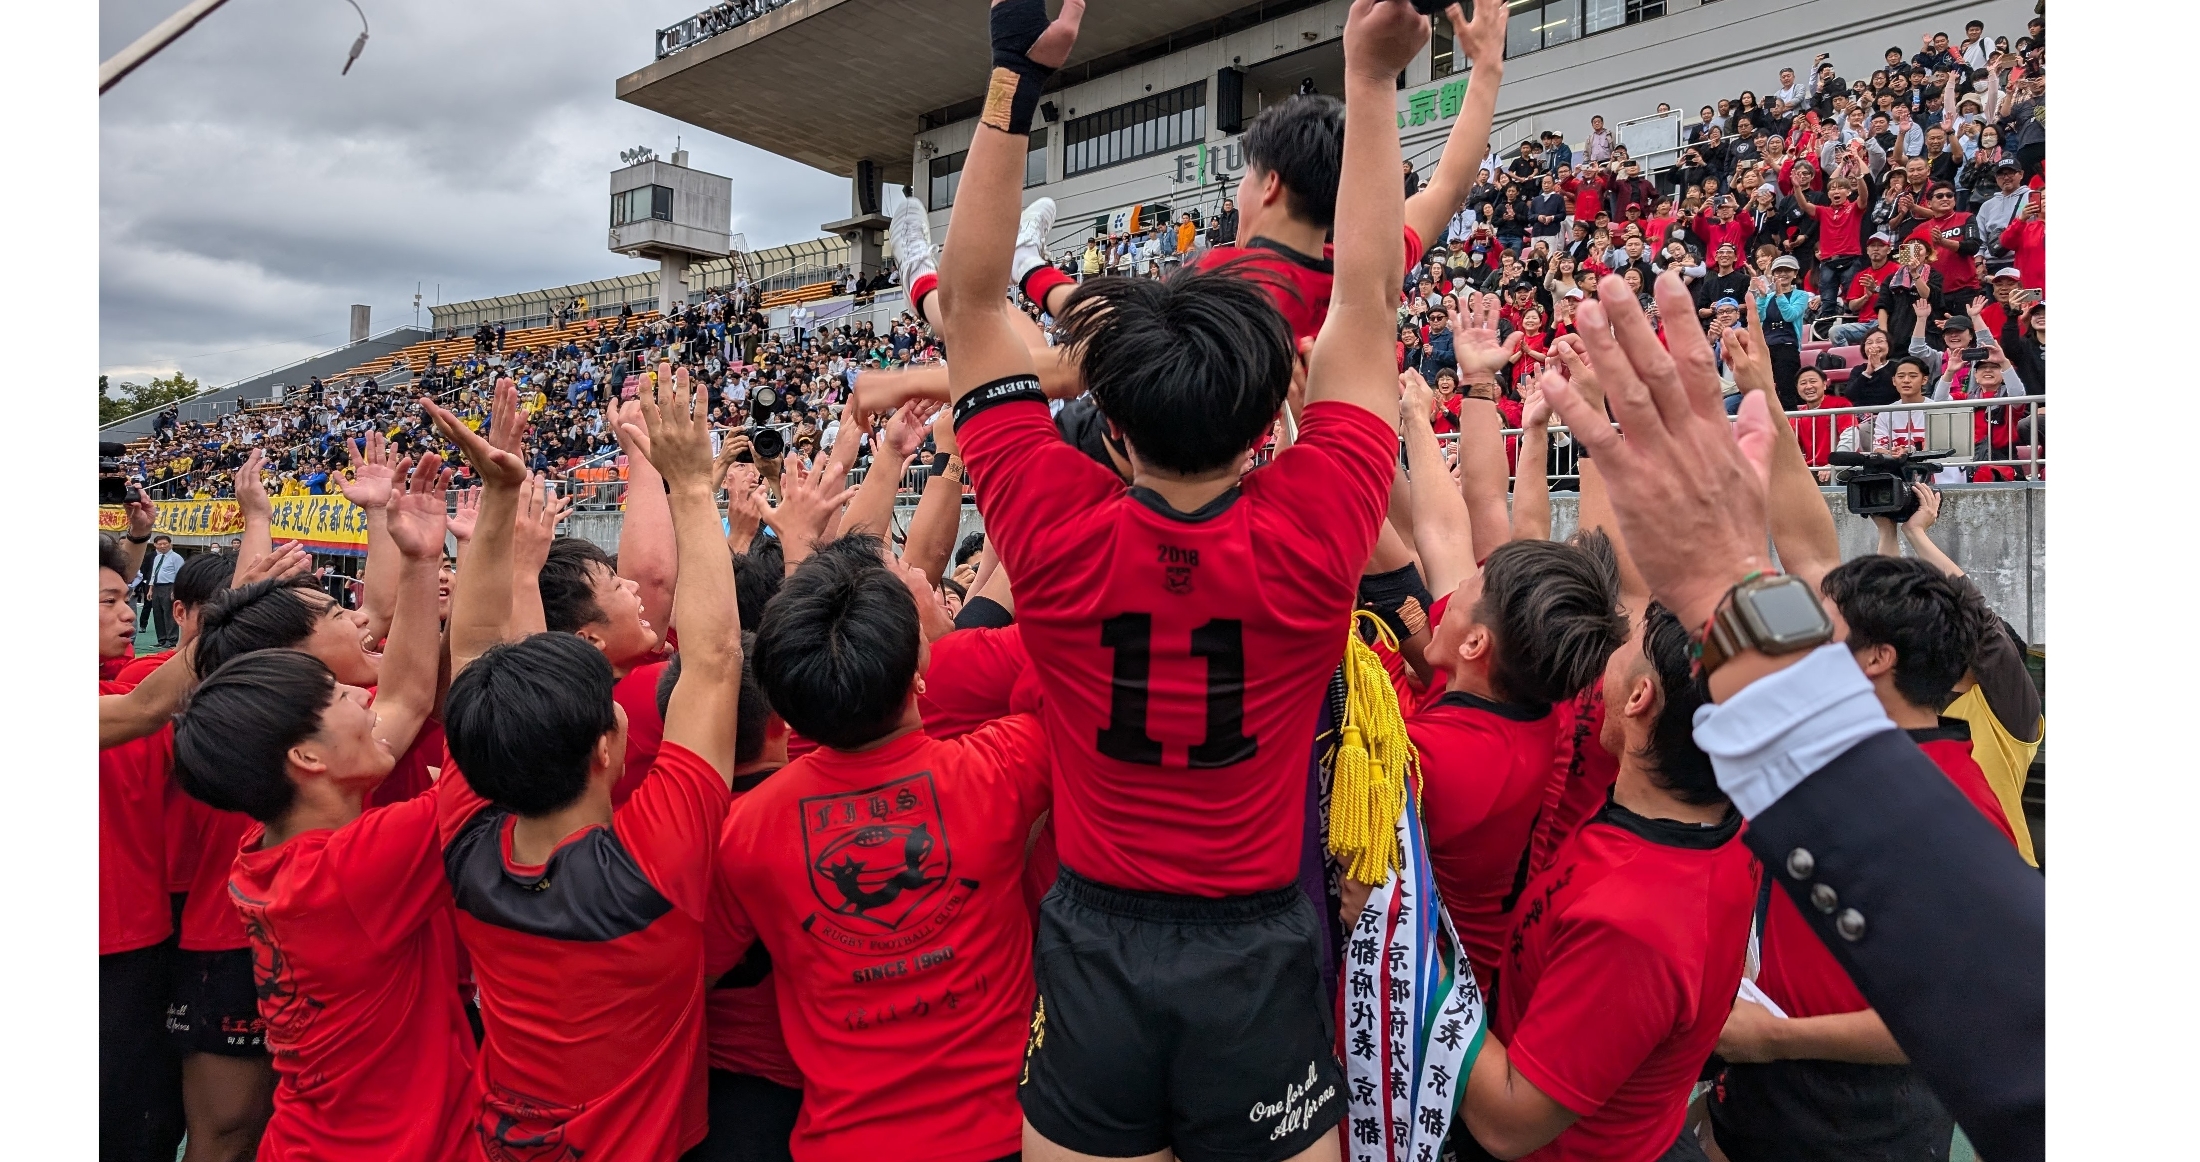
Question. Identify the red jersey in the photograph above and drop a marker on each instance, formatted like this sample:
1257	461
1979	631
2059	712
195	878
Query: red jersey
136	670
1879	276
110	668
884	885
1582	774
645	728
2026	241
1713	232
1819	435
972	679
1621	970
590	968
1795	968
1957	271
133	847
1484	766
1300	283
414	772
1587	194
741	1014
1168	643
1840	231
355	958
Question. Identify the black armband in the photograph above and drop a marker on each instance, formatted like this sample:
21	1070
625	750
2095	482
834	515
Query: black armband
984	613
1008	389
1012	95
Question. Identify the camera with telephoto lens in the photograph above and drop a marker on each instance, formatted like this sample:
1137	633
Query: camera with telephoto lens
1880	485
113	489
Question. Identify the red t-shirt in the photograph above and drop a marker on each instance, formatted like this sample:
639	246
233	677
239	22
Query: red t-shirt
133	846
110	668
412	774
884	884
1879	275
1957	270
645	728
1484	766
2026	241
1840	230
972	679
1794	967
590	967
1819	435
1621	970
1588	195
355	957
136	670
1582	774
1182	656
741	1013
1303	293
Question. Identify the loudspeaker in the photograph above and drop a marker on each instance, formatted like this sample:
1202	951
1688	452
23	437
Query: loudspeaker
867	185
1229	100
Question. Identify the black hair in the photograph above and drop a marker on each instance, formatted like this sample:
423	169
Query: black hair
234	734
751	714
203	578
972	544
110	557
1301	141
1934	623
756	578
265	615
1554	611
1676	764
837	649
1922	367
568	588
1192	367
523	718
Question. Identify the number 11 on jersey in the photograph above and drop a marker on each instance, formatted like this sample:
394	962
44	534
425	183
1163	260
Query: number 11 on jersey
1221	642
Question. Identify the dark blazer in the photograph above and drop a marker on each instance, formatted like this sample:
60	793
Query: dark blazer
1938	921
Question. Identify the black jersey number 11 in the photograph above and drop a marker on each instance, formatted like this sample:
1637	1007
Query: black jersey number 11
1222	643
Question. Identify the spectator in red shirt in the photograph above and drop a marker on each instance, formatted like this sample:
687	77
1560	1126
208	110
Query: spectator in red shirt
1818	435
1952	239
1861	297
2026	240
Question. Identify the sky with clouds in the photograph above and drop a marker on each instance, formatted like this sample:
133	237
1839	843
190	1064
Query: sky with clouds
249	194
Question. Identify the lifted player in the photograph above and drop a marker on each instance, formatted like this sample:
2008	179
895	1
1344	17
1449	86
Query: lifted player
1287	208
1182	631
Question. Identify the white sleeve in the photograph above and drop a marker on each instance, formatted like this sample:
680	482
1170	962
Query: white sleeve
1781	728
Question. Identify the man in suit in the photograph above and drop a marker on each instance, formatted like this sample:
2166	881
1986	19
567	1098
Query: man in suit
161	567
1844	809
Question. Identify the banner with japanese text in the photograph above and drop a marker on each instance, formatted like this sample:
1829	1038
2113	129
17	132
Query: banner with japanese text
322	524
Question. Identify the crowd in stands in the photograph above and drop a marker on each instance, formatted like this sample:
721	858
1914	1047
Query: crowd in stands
781	835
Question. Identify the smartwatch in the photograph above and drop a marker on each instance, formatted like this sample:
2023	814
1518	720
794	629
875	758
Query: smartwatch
1772	614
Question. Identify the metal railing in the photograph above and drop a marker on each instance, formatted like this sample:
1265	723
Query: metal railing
710	22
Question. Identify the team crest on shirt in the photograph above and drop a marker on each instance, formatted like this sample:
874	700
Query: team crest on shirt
881	868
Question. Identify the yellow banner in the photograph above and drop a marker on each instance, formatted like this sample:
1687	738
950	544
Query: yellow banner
327	524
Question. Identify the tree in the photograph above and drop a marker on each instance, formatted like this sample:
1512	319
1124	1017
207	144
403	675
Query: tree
134	398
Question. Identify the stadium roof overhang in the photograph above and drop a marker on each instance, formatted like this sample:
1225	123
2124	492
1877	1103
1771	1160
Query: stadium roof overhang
832	82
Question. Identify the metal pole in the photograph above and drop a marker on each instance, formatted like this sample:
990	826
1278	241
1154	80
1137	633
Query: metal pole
121	64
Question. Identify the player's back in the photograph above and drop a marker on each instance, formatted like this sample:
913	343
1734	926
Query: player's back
1183	655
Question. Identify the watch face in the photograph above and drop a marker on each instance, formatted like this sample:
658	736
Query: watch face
1787	612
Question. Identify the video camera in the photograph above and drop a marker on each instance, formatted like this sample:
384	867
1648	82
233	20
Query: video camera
113	489
1880	485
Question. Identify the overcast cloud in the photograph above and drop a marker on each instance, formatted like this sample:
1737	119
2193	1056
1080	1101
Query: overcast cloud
249	194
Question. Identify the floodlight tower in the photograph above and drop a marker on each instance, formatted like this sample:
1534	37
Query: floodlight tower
666	211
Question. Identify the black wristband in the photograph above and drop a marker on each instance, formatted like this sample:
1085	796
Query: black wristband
137	540
1008	389
1400	597
939	462
1015	26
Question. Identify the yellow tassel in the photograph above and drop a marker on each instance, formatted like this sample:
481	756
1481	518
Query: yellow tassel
1376	763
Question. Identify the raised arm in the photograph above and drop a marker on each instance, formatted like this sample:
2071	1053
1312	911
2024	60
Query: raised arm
646	553
413	652
1595	504
142	514
1443	532
1531	508
1803	532
540	510
255	507
872	511
1482	42
808	502
700	715
372	482
1354	357
931	540
981	232
481	598
1482	468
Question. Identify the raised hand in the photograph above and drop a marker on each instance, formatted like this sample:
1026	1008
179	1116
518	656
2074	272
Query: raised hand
1382	36
1052	47
905	430
499	467
466	510
808	500
416	514
675	438
1535	411
1475	339
1416	402
142	514
251	489
1928	508
537	524
507	428
1687	487
729	451
373	472
285	561
1483	38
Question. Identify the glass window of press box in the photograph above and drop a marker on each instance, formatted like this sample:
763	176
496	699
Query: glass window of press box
1540	24
947	175
641	205
1135	129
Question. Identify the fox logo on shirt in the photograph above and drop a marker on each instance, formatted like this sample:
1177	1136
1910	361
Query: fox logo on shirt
517	1128
877	857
